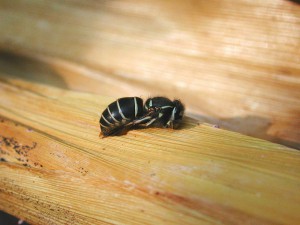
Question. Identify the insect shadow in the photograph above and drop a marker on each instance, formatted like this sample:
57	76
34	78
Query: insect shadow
254	126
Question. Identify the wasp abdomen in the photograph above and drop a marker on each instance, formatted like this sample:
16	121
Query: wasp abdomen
120	113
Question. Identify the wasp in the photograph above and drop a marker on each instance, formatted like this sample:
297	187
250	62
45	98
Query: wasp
127	112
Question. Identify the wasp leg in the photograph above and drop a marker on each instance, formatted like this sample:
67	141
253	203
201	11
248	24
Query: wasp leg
149	123
170	124
138	121
146	118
